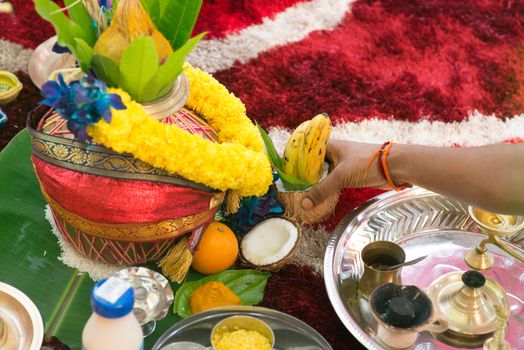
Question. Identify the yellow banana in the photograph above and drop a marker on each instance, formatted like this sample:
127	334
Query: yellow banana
317	154
293	148
311	158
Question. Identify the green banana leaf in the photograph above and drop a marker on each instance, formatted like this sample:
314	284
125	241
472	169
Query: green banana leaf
248	285
29	253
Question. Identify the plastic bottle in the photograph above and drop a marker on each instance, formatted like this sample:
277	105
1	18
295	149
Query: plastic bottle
112	326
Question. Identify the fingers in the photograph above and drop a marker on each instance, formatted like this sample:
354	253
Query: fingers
321	191
333	151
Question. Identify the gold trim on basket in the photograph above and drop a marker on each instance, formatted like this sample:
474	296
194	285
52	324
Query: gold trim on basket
96	160
138	232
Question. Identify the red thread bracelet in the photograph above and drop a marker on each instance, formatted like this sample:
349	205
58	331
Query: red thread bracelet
382	154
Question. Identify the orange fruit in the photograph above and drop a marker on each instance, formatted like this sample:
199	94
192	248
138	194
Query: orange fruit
217	250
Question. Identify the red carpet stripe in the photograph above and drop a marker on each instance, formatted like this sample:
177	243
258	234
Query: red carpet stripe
291	25
223	17
388	62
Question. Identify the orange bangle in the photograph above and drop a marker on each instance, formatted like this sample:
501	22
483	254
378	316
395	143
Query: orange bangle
382	154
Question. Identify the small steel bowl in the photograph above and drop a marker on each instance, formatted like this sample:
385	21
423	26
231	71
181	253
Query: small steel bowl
21	325
248	323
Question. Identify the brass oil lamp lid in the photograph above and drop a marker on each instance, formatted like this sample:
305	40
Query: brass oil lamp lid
468	302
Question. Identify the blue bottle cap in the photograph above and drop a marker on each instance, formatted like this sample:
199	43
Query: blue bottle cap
112	298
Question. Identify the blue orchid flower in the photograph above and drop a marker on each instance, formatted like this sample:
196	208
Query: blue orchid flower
253	210
82	102
105	3
107	9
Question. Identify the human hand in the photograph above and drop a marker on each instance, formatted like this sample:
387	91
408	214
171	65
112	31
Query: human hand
349	161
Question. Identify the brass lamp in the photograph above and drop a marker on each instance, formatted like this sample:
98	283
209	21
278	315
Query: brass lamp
495	226
468	302
497	342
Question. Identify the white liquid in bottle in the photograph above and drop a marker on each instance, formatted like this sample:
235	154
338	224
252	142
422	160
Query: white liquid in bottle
112	326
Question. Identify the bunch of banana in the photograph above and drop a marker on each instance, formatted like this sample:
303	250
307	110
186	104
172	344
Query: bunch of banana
306	149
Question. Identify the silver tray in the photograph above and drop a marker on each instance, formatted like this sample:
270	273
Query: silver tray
422	223
290	332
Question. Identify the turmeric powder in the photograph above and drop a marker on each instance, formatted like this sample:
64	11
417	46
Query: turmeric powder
210	295
241	339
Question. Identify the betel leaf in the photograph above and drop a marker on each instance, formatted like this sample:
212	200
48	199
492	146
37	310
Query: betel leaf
248	285
106	69
164	79
291	183
84	54
80	16
138	66
176	18
270	149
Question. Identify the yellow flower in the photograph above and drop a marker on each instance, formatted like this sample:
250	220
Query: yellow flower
222	109
238	163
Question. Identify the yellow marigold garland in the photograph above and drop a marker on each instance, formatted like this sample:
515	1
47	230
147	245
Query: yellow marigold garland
238	163
222	109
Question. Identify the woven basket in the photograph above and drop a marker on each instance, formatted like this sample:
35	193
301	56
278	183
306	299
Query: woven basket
113	207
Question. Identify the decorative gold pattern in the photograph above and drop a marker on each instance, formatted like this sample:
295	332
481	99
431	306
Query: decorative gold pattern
140	232
98	160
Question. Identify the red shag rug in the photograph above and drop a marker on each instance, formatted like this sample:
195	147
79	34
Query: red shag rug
439	72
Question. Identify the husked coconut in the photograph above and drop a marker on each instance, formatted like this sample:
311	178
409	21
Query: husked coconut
270	244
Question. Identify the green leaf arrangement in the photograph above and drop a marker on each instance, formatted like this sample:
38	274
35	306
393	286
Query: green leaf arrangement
175	19
291	183
139	72
70	31
248	285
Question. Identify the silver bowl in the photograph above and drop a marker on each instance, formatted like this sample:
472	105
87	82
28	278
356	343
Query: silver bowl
21	326
290	332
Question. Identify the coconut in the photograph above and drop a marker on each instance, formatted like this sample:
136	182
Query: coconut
271	244
292	203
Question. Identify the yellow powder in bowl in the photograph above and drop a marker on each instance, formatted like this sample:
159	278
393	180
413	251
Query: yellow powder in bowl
241	339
